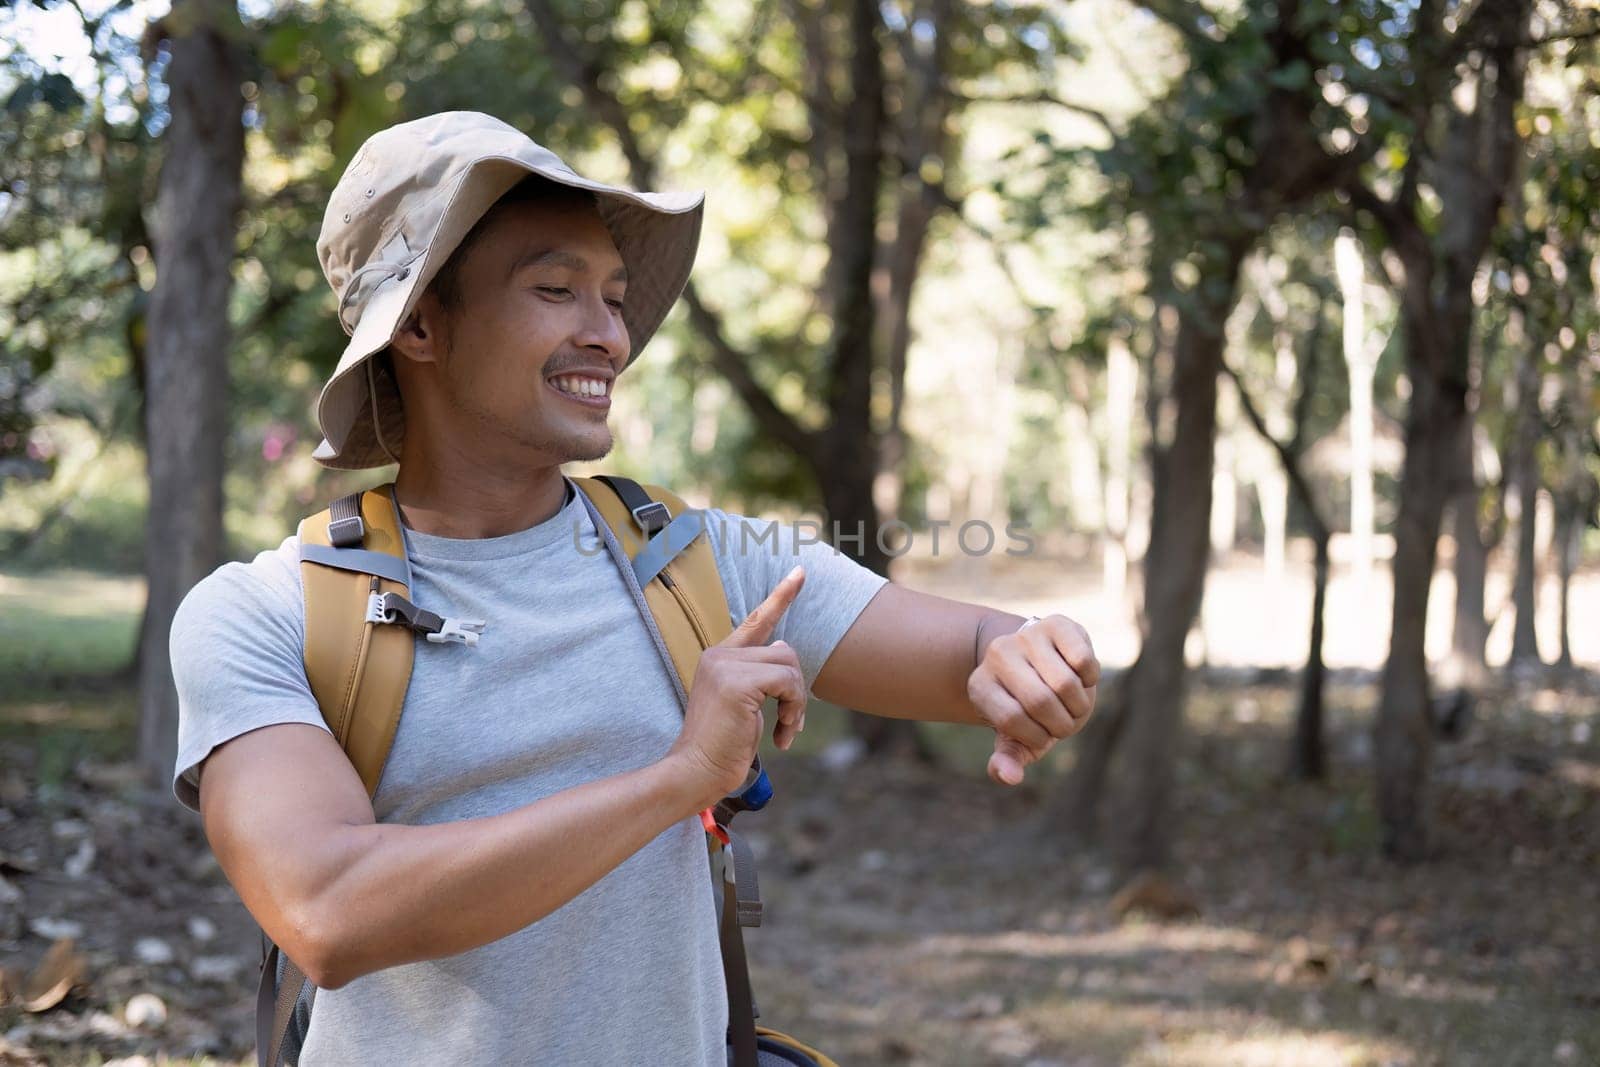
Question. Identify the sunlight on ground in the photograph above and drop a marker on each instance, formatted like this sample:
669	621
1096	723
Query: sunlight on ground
1134	937
1272	1049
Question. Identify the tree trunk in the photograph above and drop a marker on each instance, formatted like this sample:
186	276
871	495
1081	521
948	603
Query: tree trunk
924	110
1403	736
1576	492
1569	538
1525	475
1525	635
1306	755
1471	566
1476	167
1150	697
187	357
1175	573
851	447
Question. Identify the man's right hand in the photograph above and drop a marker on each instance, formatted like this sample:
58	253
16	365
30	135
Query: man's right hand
723	724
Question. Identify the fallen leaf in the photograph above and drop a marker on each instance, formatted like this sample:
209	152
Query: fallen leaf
1309	956
51	981
1154	895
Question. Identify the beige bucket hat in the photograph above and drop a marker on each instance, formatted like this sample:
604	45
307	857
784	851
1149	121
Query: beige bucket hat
405	202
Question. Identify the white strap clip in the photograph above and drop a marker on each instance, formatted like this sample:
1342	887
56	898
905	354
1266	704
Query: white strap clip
465	631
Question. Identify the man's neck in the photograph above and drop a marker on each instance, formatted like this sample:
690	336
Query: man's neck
479	501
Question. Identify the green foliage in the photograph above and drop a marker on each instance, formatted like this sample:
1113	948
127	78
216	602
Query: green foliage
1189	175
97	525
1098	232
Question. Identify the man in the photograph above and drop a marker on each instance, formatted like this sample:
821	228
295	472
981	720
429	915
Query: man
528	884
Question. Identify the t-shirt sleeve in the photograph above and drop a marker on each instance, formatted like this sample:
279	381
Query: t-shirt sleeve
237	661
753	555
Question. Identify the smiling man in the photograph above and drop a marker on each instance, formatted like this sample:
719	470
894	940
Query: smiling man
527	883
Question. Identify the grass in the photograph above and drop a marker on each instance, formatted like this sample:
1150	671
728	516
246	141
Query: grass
66	641
65	625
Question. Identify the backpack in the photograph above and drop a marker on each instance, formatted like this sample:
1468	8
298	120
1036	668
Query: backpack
359	635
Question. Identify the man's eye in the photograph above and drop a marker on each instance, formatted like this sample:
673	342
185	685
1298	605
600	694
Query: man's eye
615	303
554	289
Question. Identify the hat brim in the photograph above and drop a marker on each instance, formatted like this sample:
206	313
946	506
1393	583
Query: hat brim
656	234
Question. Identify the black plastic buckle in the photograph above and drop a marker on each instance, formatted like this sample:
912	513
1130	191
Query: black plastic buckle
652	517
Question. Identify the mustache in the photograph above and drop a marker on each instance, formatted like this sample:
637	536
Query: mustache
556	368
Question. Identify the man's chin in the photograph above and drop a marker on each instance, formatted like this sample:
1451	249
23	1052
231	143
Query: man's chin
586	448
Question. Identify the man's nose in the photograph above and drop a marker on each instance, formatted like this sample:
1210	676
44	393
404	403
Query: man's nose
602	330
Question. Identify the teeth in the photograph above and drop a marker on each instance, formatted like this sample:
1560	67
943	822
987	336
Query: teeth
580	386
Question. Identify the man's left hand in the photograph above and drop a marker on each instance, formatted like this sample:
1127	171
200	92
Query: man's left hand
1034	686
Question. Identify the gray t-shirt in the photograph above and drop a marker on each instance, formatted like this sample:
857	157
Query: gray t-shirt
565	686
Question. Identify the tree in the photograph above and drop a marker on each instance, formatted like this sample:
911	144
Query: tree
1524	477
860	170
187	359
1242	137
74	171
1439	249
1542	284
1306	757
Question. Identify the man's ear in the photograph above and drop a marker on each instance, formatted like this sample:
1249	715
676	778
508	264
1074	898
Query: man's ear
422	337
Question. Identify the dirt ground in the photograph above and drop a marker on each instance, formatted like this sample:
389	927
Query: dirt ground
921	915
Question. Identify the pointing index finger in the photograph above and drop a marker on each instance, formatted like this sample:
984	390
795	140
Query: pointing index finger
757	627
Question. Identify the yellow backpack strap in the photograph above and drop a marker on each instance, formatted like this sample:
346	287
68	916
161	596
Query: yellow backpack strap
670	550
358	669
672	558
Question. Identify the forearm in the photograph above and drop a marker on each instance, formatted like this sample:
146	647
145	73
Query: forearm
407	893
909	655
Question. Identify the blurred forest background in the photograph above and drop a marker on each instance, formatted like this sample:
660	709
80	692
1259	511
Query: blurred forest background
1275	320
